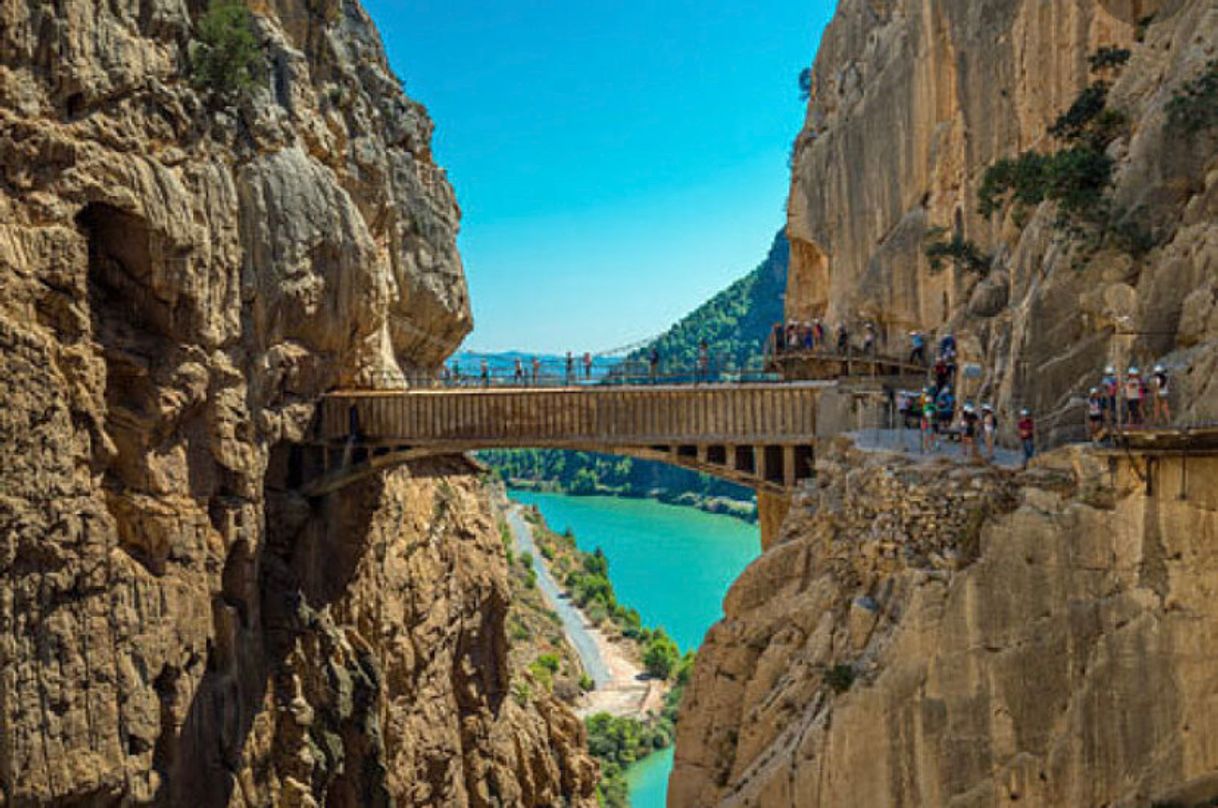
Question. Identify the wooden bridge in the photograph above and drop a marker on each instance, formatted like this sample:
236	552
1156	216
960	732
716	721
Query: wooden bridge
805	363
759	435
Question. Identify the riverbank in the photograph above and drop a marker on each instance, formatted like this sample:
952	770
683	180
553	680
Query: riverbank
621	686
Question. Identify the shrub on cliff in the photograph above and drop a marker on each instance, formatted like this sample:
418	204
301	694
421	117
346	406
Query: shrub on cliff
225	57
959	251
661	655
1195	107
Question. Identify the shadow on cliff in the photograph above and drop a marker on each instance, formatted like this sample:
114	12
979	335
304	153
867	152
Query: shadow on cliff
272	604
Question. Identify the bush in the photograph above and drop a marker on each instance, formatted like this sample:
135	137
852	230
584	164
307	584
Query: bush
805	84
962	253
1108	58
1195	107
840	678
1072	124
549	662
586	684
660	656
1020	180
225	57
1076	178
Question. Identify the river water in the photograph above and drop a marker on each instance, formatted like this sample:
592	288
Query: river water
674	564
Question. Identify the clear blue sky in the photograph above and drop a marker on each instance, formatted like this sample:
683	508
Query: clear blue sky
617	163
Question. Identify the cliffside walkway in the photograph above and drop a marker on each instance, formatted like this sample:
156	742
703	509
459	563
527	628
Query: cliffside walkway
821	364
756	434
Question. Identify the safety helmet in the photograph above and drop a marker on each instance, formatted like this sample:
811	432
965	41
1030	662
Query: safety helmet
968	407
1025	411
1159	369
1133	371
1094	390
987	408
1110	369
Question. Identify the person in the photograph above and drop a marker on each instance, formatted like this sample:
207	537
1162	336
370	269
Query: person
949	359
869	339
570	368
780	338
1108	391
1133	397
536	370
818	332
1095	414
940	372
653	364
929	440
989	429
518	372
917	352
703	360
843	339
1027	435
456	377
945	408
792	338
486	374
1162	411
807	335
948	343
968	438
587	365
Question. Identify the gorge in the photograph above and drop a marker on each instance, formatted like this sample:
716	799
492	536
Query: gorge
189	268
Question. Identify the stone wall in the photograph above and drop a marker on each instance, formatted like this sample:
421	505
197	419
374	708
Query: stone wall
924	634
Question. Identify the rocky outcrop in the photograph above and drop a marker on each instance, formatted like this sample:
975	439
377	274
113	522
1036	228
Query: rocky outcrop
180	279
929	634
912	101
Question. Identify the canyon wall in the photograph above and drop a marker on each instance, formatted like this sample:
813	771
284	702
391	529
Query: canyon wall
180	280
911	100
932	634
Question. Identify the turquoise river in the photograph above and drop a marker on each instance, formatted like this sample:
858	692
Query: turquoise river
673	564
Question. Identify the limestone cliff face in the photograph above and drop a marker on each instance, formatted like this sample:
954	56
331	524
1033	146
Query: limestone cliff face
179	282
929	635
913	99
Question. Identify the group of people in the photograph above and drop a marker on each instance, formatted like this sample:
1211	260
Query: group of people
573	370
934	410
1117	403
812	335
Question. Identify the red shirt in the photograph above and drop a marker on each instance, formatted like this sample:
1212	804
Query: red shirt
1025	427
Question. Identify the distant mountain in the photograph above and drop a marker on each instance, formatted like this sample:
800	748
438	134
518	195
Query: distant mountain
735	323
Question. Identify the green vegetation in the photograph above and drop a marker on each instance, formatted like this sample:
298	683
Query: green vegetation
225	57
586	473
959	251
1109	58
840	678
805	84
661	656
735	323
1195	107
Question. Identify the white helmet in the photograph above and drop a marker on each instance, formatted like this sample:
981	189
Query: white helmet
1110	369
987	407
1025	411
1094	390
1133	371
1160	369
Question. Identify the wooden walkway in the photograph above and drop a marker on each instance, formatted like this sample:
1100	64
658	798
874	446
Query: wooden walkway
759	435
818	364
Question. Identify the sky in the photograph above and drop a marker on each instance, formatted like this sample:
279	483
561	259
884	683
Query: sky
617	163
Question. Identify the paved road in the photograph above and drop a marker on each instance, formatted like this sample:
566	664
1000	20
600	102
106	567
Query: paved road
572	622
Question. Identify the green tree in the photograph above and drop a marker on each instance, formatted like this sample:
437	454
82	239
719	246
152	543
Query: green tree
661	655
225	57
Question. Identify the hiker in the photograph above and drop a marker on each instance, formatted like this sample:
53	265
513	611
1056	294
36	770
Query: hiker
947	344
989	429
818	331
1108	391
1095	414
949	359
807	335
653	364
486	374
1162	413
843	339
456	376
1133	397
587	366
869	339
917	352
779	337
945	409
940	372
570	368
968	438
792	338
703	360
518	373
929	441
536	370
1027	435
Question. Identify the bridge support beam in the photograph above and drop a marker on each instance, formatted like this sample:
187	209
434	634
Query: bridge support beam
771	511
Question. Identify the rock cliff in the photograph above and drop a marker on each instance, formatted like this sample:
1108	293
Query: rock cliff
180	279
924	634
911	101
